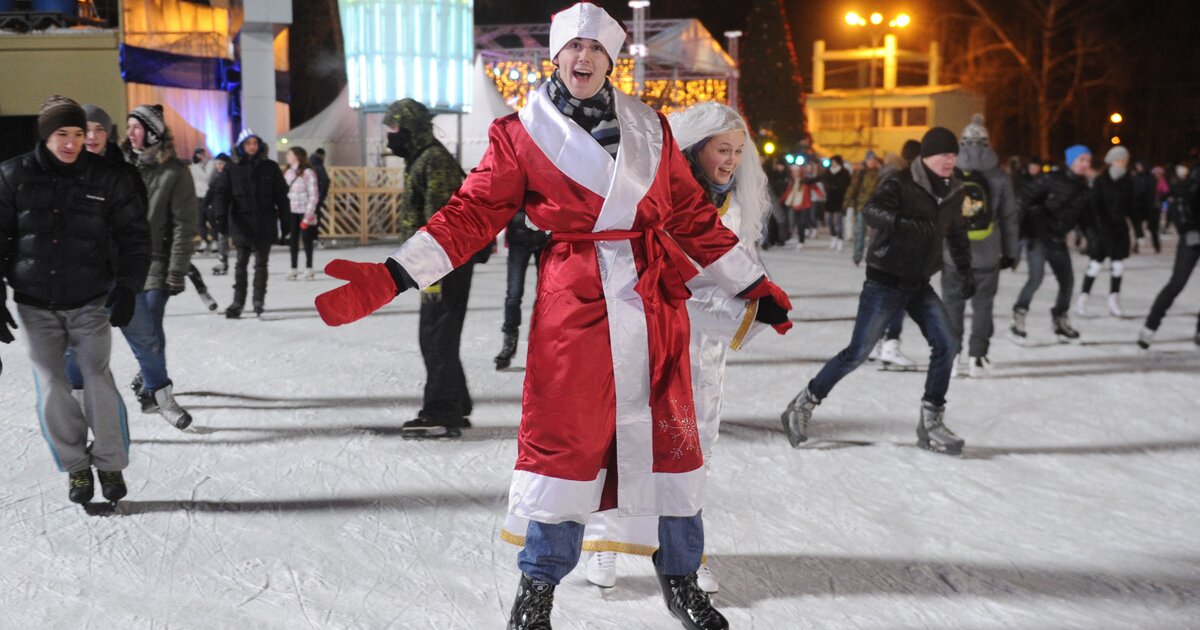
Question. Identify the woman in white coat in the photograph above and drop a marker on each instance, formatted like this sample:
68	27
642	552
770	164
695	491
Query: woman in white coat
717	145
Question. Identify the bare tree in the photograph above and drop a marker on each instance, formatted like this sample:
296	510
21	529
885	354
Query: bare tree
1059	48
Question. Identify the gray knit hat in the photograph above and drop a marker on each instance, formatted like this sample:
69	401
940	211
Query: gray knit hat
151	118
1116	153
975	134
97	115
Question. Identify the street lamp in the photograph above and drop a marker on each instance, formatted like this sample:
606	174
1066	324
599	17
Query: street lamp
875	27
1116	118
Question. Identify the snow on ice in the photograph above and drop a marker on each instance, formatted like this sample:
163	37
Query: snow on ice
296	504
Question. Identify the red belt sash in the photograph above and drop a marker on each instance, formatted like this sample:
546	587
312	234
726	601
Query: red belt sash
667	267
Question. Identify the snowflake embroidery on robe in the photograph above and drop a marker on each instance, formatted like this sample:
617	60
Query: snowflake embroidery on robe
680	427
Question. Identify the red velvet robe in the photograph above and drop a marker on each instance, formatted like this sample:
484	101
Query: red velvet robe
607	384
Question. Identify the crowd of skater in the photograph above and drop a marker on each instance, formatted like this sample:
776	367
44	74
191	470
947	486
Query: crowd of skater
646	233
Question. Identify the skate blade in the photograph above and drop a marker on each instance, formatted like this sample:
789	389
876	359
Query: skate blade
940	450
102	508
428	435
1068	340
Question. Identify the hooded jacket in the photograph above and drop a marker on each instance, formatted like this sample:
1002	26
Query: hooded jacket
1004	238
172	210
250	201
58	224
431	173
910	223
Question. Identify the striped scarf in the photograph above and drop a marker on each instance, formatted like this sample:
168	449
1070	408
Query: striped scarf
596	114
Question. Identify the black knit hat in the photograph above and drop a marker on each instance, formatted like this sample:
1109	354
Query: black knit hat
58	112
937	141
911	150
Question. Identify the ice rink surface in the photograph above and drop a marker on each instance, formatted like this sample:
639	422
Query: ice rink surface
297	504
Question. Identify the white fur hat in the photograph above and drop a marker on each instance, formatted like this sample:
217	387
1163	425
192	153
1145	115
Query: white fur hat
589	21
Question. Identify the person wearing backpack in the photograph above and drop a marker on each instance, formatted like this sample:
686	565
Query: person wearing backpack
993	229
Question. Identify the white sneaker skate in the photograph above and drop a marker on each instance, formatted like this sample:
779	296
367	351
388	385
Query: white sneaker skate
874	356
893	359
601	569
310	274
706	580
1114	305
1081	305
1145	338
293	274
980	367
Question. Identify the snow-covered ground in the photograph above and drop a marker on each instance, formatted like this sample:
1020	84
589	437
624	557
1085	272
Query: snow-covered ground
298	505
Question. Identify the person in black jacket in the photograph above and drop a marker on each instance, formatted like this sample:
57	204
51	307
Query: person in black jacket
1187	254
75	247
251	202
1052	205
837	184
911	213
524	242
1106	224
1145	208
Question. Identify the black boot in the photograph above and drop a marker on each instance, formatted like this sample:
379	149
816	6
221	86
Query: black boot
504	359
531	609
258	308
423	428
234	311
81	487
112	484
688	603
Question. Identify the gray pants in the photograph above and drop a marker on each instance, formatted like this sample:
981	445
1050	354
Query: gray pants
65	424
987	281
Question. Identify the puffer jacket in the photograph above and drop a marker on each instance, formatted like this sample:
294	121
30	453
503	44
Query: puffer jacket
250	200
910	223
1052	204
172	210
431	174
58	225
1106	218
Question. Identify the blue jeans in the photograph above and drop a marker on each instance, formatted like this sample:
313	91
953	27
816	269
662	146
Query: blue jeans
877	306
518	263
147	340
1041	252
552	551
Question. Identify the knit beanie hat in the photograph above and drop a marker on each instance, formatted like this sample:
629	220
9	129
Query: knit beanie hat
870	156
1075	151
975	134
910	151
151	118
937	141
1116	153
58	112
97	115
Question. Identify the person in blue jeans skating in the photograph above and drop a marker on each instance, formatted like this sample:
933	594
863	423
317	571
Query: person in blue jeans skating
911	213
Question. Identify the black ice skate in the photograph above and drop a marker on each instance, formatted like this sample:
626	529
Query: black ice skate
258	308
688	603
233	312
221	268
1063	330
82	489
112	484
934	435
425	429
145	398
795	418
504	359
1017	330
531	609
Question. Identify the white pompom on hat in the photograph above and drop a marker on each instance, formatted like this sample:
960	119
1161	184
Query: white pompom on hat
588	21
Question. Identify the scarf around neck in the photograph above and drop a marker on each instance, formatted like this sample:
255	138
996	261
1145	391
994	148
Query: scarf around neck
595	114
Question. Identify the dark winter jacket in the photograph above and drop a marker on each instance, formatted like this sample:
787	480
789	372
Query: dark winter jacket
250	200
172	210
520	234
910	223
1105	220
431	174
1145	207
836	186
58	224
318	166
999	237
1187	208
1052	204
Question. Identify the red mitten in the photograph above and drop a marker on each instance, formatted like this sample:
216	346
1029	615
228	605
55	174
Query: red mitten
370	288
773	305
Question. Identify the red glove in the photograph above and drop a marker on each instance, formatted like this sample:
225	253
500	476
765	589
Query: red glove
370	287
767	291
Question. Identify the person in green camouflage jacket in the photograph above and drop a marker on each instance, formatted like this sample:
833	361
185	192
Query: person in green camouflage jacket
431	176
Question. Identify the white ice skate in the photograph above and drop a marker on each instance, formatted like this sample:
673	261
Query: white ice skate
602	569
1081	305
980	367
706	580
1145	338
1114	305
310	274
874	356
293	274
170	410
893	359
954	367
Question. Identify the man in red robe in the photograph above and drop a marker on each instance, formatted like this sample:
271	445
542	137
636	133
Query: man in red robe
607	415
